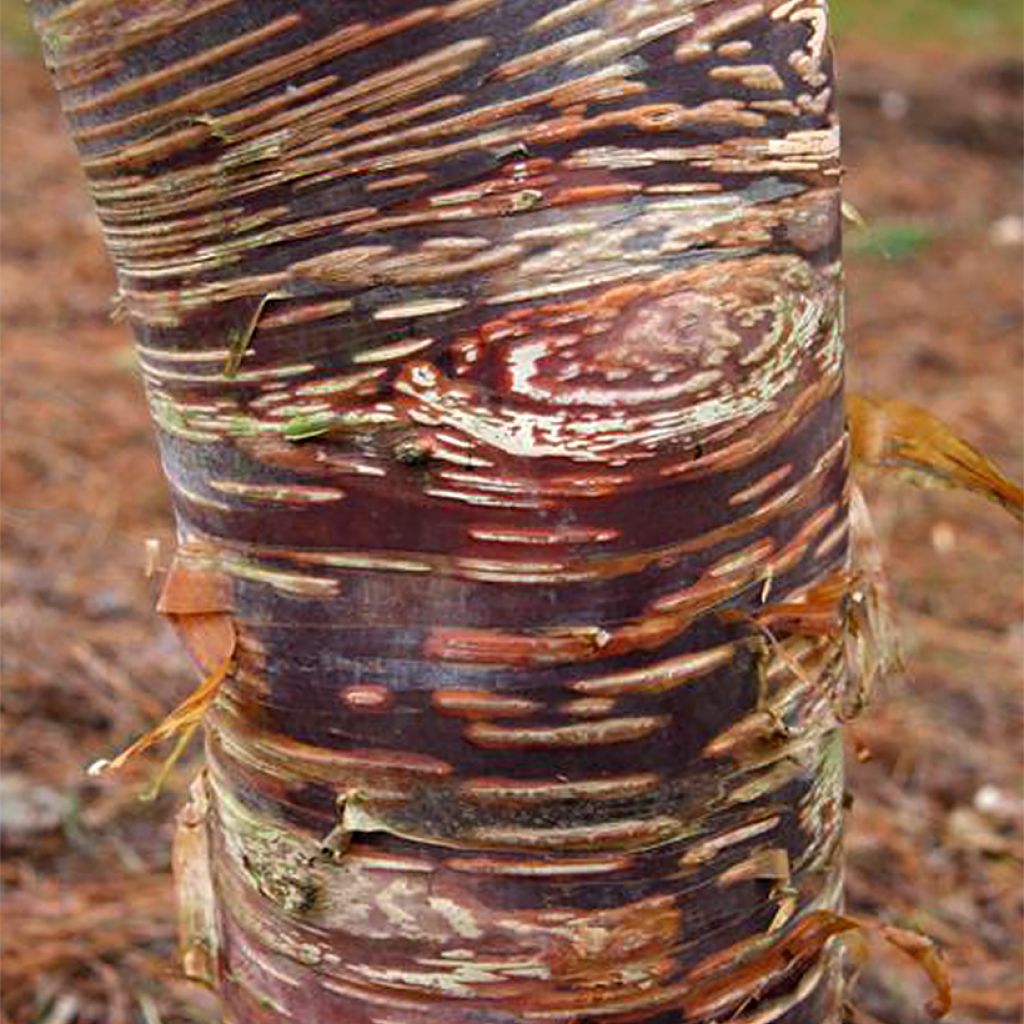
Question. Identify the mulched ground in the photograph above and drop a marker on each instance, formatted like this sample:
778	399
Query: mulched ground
933	145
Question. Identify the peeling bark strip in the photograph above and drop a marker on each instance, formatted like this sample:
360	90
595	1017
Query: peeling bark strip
495	353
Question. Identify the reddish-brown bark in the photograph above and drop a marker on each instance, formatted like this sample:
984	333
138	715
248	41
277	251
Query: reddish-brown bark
495	353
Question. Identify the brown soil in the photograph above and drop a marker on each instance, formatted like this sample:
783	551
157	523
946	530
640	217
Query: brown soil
933	146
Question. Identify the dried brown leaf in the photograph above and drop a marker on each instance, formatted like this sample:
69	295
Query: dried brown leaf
895	436
926	953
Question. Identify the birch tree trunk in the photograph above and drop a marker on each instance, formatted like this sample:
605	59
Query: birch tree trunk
494	348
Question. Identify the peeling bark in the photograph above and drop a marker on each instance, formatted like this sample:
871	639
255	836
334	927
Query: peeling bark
495	354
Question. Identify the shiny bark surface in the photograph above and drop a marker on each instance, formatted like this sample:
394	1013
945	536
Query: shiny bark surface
495	353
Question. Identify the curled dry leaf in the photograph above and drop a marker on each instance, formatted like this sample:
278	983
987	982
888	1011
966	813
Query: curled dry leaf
924	951
917	946
898	437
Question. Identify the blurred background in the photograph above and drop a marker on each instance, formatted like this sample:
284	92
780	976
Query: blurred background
932	107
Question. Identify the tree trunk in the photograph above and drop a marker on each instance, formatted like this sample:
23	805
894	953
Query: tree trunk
495	353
